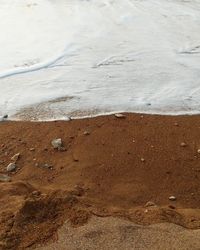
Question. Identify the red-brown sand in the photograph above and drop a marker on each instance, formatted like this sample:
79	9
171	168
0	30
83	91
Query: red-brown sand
109	167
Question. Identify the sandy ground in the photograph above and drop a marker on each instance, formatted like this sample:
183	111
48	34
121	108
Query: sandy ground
105	173
117	234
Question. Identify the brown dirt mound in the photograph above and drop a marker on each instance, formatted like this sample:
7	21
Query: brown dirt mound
111	167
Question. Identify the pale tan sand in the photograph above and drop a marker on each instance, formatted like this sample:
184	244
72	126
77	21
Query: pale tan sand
118	234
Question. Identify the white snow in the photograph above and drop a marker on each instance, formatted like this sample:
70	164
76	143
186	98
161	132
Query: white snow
109	55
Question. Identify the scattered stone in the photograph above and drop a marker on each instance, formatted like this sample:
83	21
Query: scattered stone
47	166
75	159
120	116
172	198
86	133
11	167
176	124
198	151
3	118
15	157
62	149
183	144
142	160
36	193
67	118
36	164
4	178
150	204
172	207
32	149
56	143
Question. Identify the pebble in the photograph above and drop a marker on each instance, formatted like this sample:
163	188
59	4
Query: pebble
142	160
11	167
172	207
36	193
150	204
120	116
48	166
172	198
32	149
3	118
56	143
86	133
5	178
176	124
183	144
198	151
15	157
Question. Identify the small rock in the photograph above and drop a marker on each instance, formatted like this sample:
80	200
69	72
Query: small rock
172	207
11	167
142	160
48	166
75	159
183	144
56	143
3	118
198	151
32	149
120	116
5	178
150	204
62	149
15	157
172	198
36	193
176	124
86	133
